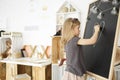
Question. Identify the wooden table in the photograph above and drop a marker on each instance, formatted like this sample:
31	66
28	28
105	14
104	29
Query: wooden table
38	67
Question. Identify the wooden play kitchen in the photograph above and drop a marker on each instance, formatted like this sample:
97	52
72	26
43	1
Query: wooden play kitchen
38	68
11	63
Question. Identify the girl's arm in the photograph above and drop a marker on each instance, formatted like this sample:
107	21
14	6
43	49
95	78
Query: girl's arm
92	40
63	59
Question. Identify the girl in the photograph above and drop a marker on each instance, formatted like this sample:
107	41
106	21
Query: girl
71	45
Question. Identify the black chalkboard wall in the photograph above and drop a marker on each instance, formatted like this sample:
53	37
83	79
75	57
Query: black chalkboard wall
98	56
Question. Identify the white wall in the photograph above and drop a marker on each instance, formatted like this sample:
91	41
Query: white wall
28	16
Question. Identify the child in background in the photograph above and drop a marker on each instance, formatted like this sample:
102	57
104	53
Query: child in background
71	45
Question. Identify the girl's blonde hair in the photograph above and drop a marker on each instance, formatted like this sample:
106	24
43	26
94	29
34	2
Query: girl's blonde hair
67	30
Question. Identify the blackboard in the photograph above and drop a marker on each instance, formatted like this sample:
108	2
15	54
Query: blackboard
98	57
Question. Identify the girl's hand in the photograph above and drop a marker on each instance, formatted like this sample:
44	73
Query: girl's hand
62	61
97	28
